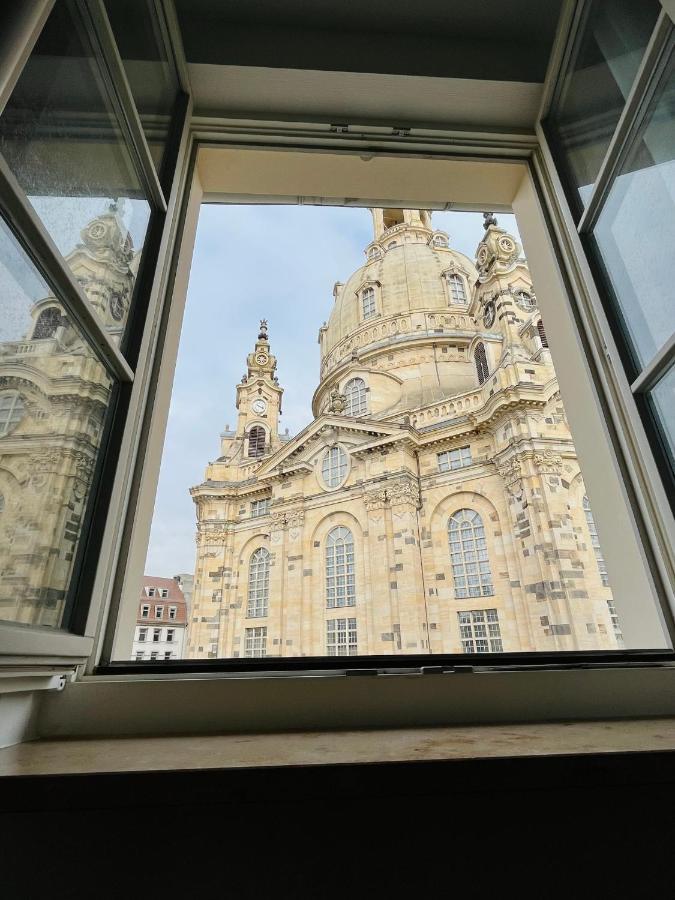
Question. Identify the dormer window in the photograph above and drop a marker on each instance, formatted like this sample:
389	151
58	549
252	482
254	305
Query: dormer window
525	300
368	303
440	240
374	253
456	290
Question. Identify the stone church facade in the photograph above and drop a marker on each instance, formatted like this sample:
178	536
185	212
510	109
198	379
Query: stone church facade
434	504
54	395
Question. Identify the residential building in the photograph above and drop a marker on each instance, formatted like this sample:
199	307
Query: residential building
161	621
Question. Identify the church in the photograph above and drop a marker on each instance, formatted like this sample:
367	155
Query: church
435	504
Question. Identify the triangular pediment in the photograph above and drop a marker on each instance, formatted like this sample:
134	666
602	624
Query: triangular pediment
327	431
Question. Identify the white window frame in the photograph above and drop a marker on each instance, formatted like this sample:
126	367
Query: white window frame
479	631
156	636
356	392
455	458
558	258
142	635
258	599
260	507
342	637
173	612
170	635
334	467
159	612
255	642
368	303
456	282
145	611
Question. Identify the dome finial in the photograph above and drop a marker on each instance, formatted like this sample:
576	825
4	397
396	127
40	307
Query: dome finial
262	335
489	219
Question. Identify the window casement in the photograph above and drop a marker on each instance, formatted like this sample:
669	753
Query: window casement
139	655
357	397
170	634
159	612
260	507
163	592
480	359
440	240
256	442
525	300
469	556
142	634
334	466
454	459
12	411
168	654
173	611
255	642
47	323
145	611
156	635
340	568
341	638
150	591
154	654
456	289
258	583
368	306
479	631
542	334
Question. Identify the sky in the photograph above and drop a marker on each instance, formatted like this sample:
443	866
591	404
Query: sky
249	263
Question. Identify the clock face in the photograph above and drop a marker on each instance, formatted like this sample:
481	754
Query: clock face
489	314
482	255
259	407
507	245
262	359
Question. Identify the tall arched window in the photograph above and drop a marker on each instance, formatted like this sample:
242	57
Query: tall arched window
368	303
480	359
258	583
357	398
468	555
47	323
334	466
456	289
340	573
11	411
542	334
256	441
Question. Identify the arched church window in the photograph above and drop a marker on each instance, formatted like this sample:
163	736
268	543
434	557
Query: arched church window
334	466
542	334
12	410
468	555
480	358
368	303
47	323
440	241
258	583
256	441
456	289
340	571
357	398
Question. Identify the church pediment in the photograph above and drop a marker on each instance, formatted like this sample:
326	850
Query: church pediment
326	431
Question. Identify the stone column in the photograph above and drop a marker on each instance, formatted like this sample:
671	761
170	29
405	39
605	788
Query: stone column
406	577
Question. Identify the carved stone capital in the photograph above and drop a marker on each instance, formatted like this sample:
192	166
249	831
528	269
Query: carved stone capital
548	463
375	499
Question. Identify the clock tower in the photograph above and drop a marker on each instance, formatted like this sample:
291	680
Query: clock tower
258	401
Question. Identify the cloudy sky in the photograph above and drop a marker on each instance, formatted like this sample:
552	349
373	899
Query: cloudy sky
254	262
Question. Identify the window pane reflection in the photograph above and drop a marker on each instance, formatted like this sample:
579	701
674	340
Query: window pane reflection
663	402
595	88
151	77
53	399
62	140
635	233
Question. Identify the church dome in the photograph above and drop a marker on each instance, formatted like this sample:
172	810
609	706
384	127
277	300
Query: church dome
407	269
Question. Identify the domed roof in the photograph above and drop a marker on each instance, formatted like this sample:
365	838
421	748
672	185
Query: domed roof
407	267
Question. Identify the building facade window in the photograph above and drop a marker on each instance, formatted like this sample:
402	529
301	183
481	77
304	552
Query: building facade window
368	303
256	441
145	611
525	300
440	240
334	466
357	397
255	642
154	654
168	654
150	591
170	635
11	411
159	612
595	542
258	583
340	570
341	638
480	359
479	631
156	635
468	555
139	655
173	610
260	508
142	634
456	290
47	323
542	334
163	592
454	459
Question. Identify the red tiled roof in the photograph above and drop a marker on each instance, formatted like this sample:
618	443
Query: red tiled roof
175	597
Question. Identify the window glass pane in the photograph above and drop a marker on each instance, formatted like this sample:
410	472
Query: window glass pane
53	400
604	63
63	143
662	398
151	77
635	233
